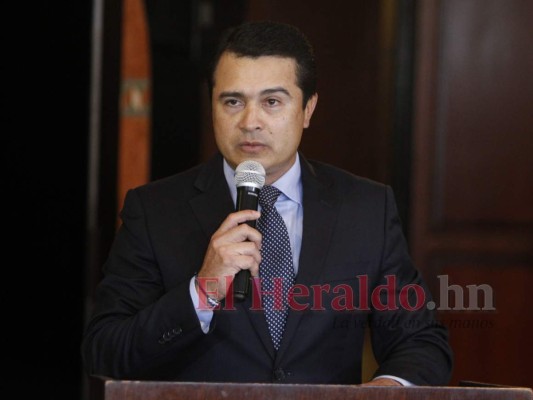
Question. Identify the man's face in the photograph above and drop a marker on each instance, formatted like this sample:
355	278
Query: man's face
257	111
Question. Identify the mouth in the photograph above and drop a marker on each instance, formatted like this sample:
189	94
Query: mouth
251	147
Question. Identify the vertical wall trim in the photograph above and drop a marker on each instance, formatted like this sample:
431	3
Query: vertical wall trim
102	146
94	114
402	136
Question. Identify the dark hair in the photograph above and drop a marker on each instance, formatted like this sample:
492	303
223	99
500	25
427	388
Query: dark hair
266	38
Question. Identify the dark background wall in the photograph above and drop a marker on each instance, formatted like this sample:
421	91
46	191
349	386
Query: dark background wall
45	88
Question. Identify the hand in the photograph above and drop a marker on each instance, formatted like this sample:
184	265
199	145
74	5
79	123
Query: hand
382	382
233	247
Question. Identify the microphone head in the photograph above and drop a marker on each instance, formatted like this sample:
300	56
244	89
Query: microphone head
250	173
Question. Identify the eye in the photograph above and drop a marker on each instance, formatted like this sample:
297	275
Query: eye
272	102
232	102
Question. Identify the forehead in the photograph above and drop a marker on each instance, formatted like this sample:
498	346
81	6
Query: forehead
246	73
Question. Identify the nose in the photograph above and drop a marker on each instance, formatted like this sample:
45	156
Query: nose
251	119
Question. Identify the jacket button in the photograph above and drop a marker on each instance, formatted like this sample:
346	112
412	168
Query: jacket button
177	331
279	375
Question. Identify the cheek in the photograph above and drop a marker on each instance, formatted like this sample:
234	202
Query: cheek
284	126
222	125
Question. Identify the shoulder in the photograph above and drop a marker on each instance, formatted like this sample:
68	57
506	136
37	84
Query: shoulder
196	179
360	197
179	183
344	181
179	188
180	179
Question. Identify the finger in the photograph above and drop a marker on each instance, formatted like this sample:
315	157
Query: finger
230	254
254	270
246	262
236	218
246	249
238	234
244	233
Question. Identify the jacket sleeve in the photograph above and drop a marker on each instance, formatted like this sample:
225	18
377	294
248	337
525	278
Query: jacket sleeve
407	339
137	325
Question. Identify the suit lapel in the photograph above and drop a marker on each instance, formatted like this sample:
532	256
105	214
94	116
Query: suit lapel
213	203
211	206
321	207
259	322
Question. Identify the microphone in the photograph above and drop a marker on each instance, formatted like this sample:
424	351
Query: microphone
249	179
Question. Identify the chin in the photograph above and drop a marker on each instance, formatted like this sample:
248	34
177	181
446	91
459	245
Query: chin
253	156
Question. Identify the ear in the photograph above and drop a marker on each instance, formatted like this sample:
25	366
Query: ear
309	109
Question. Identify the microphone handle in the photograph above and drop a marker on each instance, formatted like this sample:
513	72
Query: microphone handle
247	199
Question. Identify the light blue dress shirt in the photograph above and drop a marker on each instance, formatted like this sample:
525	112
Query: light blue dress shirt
289	204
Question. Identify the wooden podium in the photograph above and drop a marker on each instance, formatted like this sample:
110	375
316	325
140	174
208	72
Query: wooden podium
109	389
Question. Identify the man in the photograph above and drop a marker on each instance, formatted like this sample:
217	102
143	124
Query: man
165	310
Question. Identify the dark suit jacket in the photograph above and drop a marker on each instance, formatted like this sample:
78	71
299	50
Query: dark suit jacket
144	324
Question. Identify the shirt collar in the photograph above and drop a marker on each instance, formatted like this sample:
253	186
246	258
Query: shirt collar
290	183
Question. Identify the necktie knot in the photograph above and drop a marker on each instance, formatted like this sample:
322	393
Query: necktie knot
268	196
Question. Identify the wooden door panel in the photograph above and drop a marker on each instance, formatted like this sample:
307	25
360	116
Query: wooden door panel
472	197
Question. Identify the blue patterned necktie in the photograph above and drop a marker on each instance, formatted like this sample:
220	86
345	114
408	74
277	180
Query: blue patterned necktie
276	269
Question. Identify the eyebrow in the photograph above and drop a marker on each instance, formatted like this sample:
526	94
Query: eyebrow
276	90
279	89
